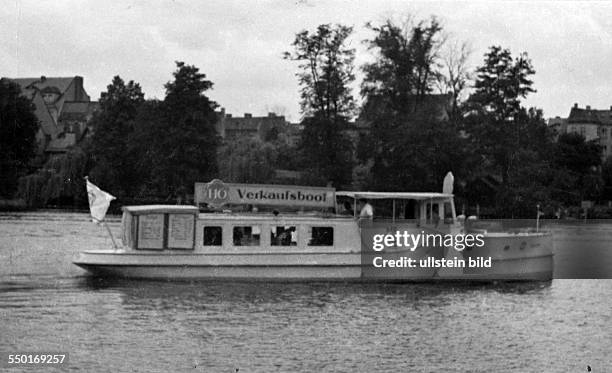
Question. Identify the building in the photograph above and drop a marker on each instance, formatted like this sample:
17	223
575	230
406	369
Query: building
264	128
435	106
558	124
63	109
593	124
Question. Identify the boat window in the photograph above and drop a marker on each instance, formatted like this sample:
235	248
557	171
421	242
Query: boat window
212	236
321	236
247	235
283	236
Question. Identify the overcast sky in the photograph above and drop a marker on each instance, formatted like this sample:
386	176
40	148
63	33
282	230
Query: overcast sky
239	44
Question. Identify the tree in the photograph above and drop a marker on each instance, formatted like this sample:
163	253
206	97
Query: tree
177	137
407	63
455	75
411	144
59	181
496	122
579	161
606	175
112	144
575	154
326	71
247	160
18	127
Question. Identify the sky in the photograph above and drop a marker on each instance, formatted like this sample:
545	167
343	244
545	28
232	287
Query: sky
239	44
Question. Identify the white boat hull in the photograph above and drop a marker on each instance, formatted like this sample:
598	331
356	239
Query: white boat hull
514	257
520	256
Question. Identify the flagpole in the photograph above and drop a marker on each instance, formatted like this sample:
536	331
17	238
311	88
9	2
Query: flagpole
111	235
109	232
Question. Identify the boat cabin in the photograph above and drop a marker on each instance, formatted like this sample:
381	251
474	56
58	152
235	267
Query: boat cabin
159	227
220	230
172	228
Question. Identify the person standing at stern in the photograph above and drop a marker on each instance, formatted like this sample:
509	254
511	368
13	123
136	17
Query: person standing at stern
366	211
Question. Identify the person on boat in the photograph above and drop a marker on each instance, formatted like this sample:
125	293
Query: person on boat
348	209
366	211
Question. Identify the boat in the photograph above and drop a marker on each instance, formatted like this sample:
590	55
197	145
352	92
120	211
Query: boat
292	233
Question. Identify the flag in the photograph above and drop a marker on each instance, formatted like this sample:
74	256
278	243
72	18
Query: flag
99	201
447	185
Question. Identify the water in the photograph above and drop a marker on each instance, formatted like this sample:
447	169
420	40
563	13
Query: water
46	303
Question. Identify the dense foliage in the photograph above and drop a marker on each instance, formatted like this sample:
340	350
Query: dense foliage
412	143
18	127
113	149
177	140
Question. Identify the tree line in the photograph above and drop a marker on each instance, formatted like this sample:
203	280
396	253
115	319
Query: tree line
423	121
423	111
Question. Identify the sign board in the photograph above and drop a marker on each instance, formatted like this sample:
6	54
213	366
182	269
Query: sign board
217	193
151	231
180	231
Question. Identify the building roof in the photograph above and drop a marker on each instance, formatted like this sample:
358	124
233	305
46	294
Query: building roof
252	123
78	110
249	125
589	116
47	124
30	85
72	103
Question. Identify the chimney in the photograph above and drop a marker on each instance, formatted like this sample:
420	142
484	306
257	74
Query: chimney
43	78
588	107
576	105
78	89
272	115
248	115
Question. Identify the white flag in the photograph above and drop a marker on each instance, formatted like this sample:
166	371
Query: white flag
447	185
99	201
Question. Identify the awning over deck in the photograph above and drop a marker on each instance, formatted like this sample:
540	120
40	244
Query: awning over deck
394	195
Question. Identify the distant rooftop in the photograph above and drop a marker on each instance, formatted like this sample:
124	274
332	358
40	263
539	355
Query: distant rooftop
589	115
47	84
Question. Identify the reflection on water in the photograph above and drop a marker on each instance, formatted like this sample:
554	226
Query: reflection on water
48	304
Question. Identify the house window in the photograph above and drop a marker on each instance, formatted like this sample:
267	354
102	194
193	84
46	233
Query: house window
283	236
247	235
582	130
603	132
321	236
213	236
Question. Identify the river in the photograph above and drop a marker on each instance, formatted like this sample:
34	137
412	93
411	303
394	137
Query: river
48	304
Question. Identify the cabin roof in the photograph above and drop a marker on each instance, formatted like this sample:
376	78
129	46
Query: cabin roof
394	195
161	209
280	218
